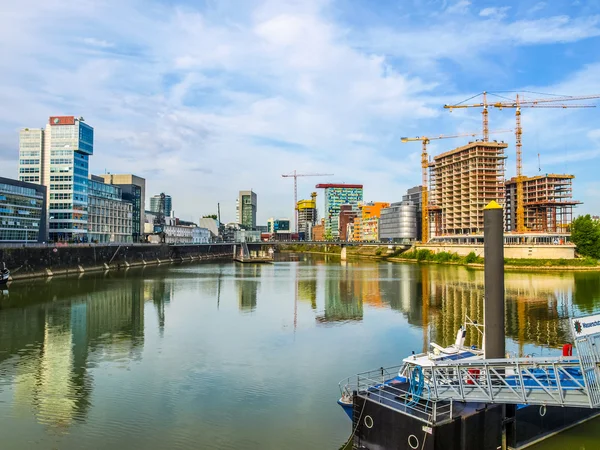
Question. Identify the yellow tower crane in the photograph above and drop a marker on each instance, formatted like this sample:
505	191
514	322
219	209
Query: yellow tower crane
519	103
425	165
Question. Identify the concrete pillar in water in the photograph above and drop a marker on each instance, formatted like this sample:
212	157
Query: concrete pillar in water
493	306
343	254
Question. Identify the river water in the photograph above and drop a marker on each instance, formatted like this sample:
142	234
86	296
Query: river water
231	356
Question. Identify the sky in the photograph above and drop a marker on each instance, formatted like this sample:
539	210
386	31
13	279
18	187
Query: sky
204	98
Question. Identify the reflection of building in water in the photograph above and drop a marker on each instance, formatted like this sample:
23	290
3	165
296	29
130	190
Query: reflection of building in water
160	293
536	306
57	341
247	283
401	288
366	282
341	302
307	291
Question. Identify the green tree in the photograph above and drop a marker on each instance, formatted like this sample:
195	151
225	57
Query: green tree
585	234
210	216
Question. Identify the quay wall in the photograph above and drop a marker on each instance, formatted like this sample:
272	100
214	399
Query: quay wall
43	261
565	251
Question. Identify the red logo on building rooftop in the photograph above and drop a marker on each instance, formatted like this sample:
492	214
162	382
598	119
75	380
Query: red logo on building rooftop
62	120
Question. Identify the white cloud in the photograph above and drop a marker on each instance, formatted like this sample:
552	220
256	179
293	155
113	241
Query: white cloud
494	12
98	42
537	7
460	7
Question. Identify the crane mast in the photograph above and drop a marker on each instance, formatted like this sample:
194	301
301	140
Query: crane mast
295	176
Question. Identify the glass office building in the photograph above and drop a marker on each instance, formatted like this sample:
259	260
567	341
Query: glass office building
337	195
155	204
58	157
246	210
22	211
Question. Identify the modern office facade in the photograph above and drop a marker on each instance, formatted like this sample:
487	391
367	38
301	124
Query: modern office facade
57	157
246	209
155	204
133	189
398	223
109	216
414	195
22	211
337	195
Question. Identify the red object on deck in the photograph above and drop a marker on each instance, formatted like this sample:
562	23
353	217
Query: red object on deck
474	376
567	350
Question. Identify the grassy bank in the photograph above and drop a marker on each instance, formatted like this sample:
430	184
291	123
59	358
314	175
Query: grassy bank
446	257
427	256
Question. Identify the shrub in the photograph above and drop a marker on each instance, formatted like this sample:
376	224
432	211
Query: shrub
471	258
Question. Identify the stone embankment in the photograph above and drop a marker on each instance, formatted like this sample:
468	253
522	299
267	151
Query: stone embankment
44	261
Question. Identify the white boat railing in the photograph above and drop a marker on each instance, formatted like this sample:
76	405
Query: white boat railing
375	386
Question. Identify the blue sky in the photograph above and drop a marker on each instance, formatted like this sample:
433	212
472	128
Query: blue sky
203	98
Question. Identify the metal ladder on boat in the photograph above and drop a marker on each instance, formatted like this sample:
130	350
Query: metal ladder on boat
561	381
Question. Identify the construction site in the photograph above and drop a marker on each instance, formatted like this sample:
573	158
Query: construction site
459	183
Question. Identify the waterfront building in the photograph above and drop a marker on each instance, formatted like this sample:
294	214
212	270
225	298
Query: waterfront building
366	225
229	231
347	215
414	195
58	157
464	181
318	231
110	217
370	229
278	225
279	229
133	189
547	200
22	211
398	223
337	195
155	204
245	209
177	232
307	215
212	225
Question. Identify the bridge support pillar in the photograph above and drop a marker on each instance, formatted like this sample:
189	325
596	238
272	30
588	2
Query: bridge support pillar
343	253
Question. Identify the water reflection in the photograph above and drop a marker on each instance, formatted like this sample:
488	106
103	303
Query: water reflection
247	283
47	349
342	303
437	299
141	358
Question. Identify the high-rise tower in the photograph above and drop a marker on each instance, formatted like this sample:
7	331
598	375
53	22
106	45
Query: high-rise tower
57	157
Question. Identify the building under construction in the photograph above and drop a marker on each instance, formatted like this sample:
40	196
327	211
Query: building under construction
547	200
463	182
307	215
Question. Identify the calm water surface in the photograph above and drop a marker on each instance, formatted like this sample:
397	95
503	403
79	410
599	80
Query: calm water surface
240	356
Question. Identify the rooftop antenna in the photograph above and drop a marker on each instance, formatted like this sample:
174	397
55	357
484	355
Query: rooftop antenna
539	165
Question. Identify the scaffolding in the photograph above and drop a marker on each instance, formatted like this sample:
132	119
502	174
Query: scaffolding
548	202
463	182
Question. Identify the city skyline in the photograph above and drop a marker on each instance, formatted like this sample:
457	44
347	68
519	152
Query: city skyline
193	114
